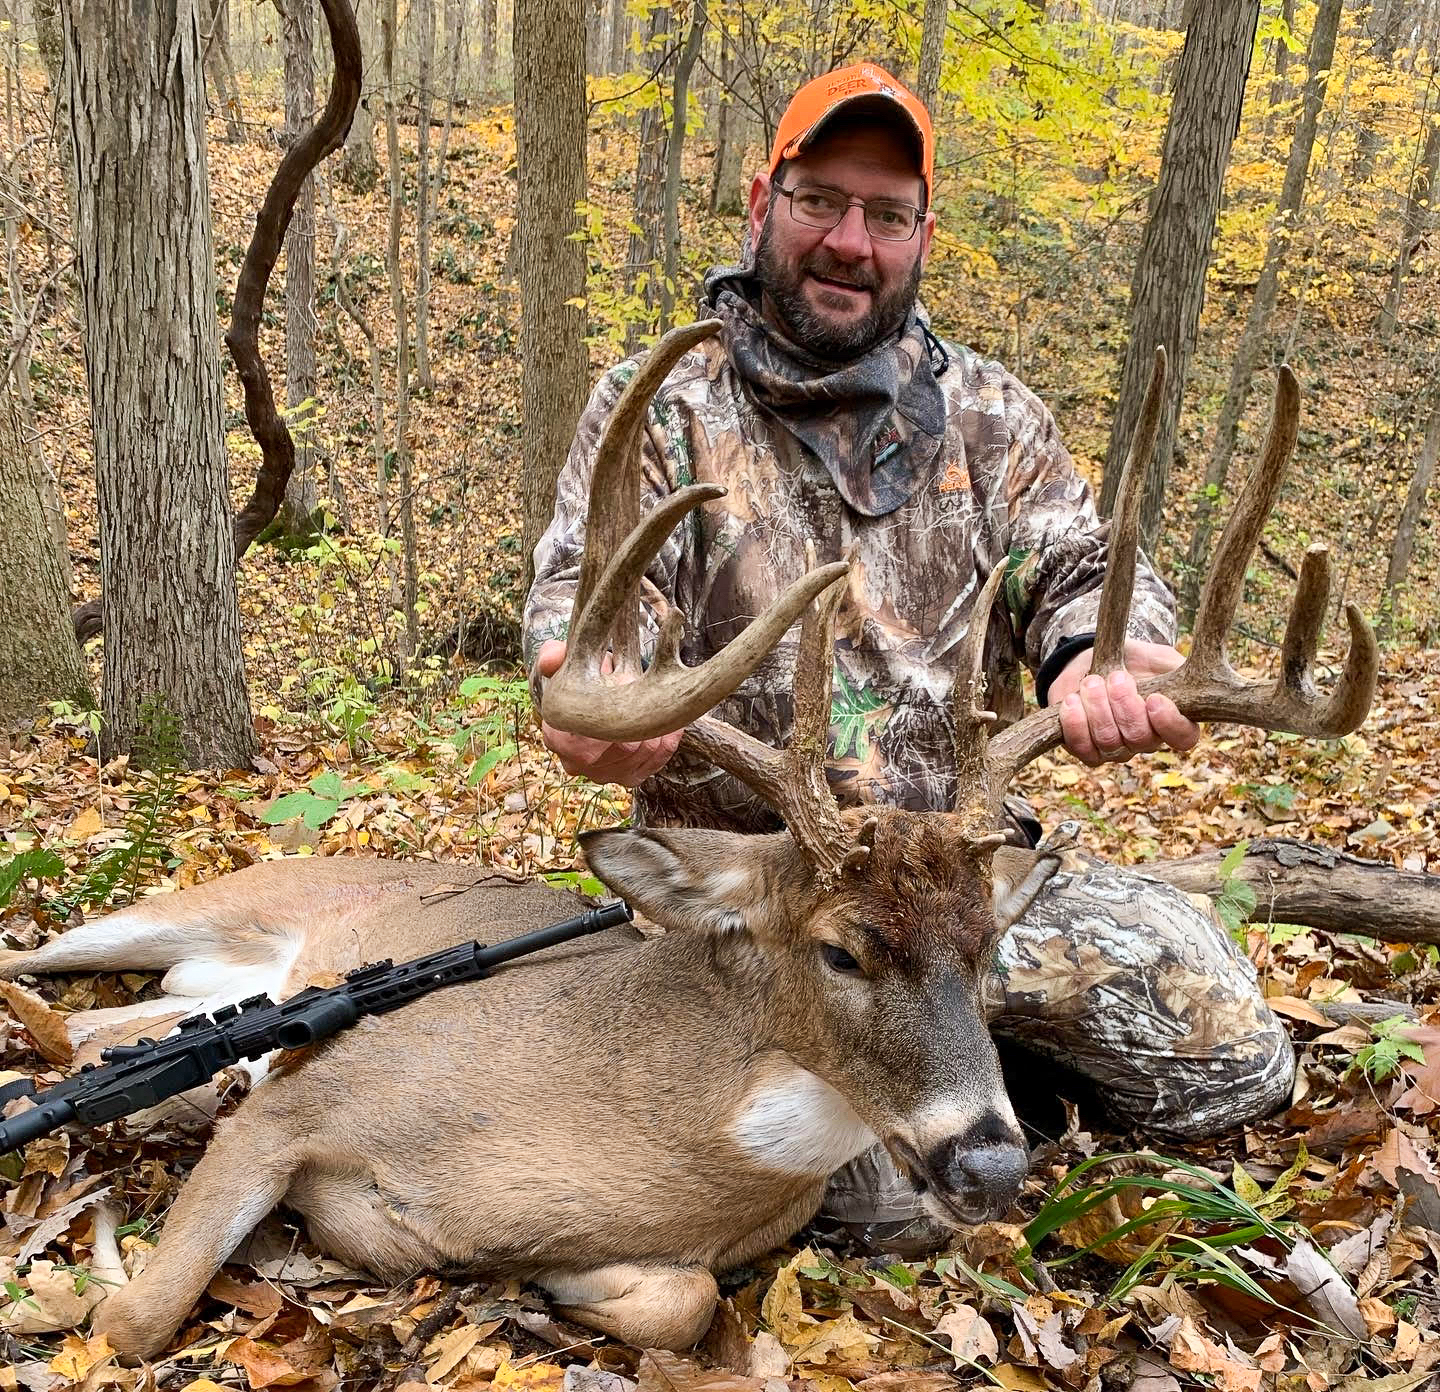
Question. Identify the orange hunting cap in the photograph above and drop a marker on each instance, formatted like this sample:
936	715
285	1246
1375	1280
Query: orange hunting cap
823	97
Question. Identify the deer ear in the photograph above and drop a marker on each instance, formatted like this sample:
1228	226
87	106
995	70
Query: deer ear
1019	876
705	881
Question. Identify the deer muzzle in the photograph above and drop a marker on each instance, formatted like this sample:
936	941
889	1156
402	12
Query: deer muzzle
970	1175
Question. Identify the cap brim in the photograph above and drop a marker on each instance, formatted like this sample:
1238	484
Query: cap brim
877	103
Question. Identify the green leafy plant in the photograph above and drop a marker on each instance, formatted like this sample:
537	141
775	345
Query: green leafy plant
1381	1058
144	851
316	805
1236	900
1201	1221
36	864
490	737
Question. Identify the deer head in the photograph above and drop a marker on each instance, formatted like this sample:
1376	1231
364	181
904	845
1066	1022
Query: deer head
870	931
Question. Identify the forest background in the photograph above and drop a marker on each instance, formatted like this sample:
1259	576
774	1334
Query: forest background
359	692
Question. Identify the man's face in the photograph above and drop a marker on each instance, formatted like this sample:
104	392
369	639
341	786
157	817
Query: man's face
838	291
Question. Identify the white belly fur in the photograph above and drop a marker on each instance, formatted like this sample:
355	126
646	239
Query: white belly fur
796	1123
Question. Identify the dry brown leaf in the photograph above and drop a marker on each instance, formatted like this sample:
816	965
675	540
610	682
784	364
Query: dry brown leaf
79	1357
783	1308
257	1298
1192	1352
44	1025
264	1364
845	1338
51	1303
1324	1290
533	1377
85	825
970	1335
1019	1379
661	1371
449	1349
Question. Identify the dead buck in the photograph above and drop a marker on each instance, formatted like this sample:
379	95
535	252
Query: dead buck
616	1121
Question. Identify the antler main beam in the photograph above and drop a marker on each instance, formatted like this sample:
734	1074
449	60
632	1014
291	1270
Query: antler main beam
1206	687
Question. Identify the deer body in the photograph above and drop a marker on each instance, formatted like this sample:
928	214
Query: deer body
660	1109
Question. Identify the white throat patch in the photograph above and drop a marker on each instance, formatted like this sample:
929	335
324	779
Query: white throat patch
795	1122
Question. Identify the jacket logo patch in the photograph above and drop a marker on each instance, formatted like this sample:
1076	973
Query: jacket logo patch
953	480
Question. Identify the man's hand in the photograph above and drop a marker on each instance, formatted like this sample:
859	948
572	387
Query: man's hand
1105	719
599	761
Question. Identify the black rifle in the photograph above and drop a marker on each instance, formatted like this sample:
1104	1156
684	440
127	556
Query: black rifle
135	1076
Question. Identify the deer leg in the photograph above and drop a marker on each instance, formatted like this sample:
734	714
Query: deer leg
243	1175
644	1306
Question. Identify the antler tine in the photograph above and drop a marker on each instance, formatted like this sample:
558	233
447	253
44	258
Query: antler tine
1206	687
792	780
1220	595
669	695
1119	585
615	480
972	720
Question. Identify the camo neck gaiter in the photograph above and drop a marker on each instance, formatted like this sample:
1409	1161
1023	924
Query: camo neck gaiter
876	423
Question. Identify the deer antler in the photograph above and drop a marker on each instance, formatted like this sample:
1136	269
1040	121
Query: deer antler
1206	687
669	695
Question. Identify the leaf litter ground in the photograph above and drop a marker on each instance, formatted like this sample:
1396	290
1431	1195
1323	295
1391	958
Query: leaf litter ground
1313	1268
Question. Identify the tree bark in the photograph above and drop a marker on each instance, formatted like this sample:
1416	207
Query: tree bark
1384	25
932	52
424	11
39	658
727	174
1168	288
299	511
674	149
1296	882
617	34
1410	513
1262	306
489	25
643	249
1419	207
409	566
359	170
48	39
145	266
550	180
221	67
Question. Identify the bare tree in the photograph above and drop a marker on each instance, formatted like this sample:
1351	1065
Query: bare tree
1280	49
674	149
932	52
1410	513
1257	323
489	25
142	240
1168	287
410	569
299	511
220	64
550	181
1384	25
643	270
731	128
1419	210
39	657
358	169
424	12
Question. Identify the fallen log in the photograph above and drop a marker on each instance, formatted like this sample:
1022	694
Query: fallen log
1319	887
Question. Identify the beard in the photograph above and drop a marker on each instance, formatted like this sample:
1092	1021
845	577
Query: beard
810	328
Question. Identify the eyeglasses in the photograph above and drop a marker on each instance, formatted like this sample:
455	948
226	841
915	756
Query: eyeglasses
814	205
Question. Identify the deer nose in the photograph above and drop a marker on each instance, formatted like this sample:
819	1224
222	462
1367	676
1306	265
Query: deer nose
982	1170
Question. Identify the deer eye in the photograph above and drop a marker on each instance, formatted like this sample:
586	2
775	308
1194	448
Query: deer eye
837	959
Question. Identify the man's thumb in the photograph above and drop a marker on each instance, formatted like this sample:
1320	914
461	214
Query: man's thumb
550	656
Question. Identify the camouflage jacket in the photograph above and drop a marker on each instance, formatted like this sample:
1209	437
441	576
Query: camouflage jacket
1003	491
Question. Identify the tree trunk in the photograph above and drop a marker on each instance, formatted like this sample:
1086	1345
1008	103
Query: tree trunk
675	148
359	170
221	67
1296	882
489	24
1410	514
424	11
48	38
409	567
617	34
643	249
550	180
39	657
932	53
298	513
1281	50
1418	213
145	266
1257	323
727	174
1168	288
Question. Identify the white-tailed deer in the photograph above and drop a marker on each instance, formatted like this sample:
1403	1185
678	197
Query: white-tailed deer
618	1120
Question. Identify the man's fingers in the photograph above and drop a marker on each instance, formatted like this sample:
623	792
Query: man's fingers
1104	732
1075	729
1127	707
1175	729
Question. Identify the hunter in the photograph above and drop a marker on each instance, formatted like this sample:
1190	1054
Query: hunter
833	413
